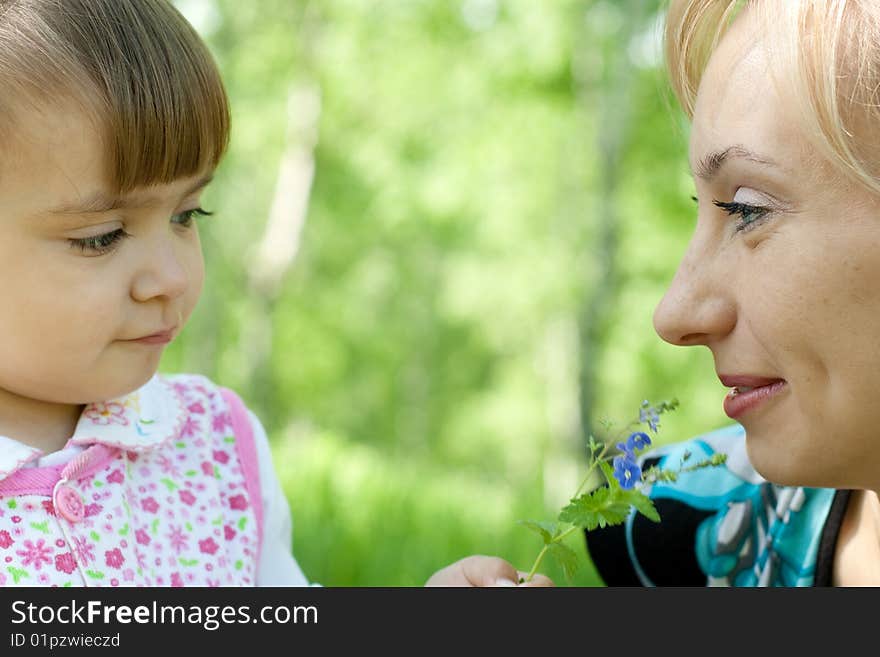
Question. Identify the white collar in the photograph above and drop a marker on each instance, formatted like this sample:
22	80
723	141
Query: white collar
140	421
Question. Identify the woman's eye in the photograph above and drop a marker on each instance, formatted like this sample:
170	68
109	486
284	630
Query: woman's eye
185	219
99	244
749	215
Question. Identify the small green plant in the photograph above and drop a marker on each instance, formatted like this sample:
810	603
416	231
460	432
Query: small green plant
611	489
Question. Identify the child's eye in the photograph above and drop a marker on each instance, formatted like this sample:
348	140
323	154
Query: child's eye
750	215
185	219
99	244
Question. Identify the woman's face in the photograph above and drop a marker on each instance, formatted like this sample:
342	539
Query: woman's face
787	298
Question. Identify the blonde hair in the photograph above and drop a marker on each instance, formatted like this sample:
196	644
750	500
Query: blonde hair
137	68
828	51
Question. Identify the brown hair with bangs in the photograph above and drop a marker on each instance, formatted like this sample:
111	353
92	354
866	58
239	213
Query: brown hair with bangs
139	69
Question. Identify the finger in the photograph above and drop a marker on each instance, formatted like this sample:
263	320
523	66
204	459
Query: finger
481	570
537	580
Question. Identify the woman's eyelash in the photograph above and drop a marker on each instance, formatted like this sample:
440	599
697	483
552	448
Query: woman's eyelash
750	215
101	244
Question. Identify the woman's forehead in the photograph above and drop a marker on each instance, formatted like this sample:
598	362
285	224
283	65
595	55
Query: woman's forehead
742	111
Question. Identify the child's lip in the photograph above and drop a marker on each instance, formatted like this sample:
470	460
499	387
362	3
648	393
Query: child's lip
160	336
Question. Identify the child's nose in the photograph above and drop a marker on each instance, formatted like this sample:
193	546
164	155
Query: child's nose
164	272
699	306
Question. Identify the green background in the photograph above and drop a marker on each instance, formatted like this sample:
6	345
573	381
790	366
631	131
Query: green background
441	232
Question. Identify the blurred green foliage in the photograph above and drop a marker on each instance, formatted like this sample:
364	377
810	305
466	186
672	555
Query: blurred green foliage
453	184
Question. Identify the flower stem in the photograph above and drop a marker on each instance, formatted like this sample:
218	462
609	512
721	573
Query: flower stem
537	564
590	469
540	558
593	461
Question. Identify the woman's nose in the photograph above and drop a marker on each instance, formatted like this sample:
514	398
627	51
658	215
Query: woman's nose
163	272
699	307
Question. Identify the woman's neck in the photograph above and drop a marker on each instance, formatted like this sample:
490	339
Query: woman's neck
44	425
857	555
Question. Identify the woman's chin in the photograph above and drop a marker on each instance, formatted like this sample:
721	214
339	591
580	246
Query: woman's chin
790	471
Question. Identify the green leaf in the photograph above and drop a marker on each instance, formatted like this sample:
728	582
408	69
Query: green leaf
654	473
566	557
17	573
95	574
608	471
600	508
546	530
642	504
170	485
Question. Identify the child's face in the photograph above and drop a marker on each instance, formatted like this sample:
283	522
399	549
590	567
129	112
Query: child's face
792	293
71	310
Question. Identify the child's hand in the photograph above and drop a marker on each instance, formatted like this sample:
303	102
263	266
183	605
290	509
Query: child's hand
478	570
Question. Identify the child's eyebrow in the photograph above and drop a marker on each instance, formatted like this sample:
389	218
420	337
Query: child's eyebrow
100	201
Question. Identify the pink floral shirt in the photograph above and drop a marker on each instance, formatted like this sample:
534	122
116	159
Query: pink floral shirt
150	491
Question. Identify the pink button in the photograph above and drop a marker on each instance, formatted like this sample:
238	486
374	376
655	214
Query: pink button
68	503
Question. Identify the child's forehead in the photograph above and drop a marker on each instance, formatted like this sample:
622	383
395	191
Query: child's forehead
58	164
72	148
100	200
59	124
51	140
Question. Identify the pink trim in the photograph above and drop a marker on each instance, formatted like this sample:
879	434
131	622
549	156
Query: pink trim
41	481
247	454
31	481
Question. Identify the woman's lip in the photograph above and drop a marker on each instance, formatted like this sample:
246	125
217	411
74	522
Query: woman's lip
738	402
746	380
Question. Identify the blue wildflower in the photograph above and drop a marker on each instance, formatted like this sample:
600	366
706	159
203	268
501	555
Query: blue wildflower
637	441
649	414
626	471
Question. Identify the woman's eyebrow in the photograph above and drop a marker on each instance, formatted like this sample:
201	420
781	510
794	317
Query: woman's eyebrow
99	201
709	166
